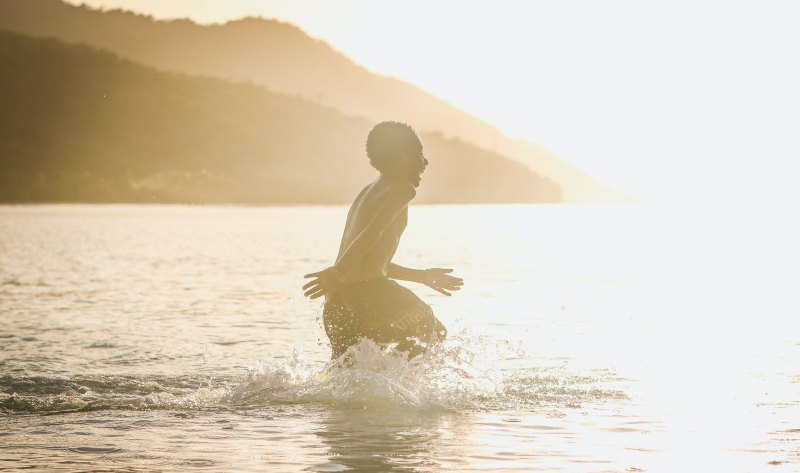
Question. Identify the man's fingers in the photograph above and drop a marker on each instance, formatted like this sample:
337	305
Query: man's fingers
317	294
311	292
313	275
442	291
310	283
454	282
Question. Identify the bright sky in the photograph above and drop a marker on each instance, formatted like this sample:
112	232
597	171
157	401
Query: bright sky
662	99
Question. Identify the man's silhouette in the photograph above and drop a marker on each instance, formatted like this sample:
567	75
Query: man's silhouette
361	298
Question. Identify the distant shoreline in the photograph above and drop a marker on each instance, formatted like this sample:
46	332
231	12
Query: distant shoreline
279	204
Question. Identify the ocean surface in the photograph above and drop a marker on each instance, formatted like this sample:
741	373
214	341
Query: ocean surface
587	338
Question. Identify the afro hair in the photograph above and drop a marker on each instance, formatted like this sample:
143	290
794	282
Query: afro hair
386	137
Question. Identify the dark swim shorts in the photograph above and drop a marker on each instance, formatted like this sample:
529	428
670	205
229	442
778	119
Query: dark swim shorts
383	311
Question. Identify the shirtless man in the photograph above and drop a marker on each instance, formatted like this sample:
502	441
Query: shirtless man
361	298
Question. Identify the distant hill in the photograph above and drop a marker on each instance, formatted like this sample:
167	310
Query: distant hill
81	124
283	58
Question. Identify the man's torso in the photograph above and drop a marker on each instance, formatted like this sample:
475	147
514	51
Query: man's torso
376	261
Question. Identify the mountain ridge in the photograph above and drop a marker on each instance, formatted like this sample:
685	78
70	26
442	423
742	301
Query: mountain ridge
81	124
286	60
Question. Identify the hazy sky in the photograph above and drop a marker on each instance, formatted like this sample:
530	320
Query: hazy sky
663	99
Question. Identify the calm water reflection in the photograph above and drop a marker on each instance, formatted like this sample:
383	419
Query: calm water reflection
587	338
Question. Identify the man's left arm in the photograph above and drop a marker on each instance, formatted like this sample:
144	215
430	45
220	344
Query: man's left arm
395	271
435	278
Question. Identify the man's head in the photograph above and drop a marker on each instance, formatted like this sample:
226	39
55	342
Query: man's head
395	150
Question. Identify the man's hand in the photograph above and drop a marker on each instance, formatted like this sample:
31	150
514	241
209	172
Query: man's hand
325	282
439	280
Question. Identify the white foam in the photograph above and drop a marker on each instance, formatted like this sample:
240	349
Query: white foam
458	374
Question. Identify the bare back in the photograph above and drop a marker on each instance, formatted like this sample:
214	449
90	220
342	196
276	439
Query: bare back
376	261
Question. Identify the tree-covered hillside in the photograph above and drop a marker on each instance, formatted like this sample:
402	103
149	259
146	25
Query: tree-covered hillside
81	124
283	58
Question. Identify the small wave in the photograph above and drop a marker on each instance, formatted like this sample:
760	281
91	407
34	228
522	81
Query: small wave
102	450
231	342
41	394
459	374
18	282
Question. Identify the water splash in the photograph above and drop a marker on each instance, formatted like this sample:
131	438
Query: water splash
446	377
460	374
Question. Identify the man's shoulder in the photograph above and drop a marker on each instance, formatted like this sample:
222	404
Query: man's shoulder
387	191
401	191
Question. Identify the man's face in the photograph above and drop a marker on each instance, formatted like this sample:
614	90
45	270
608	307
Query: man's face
411	163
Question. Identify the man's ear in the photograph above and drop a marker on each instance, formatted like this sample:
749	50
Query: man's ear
396	151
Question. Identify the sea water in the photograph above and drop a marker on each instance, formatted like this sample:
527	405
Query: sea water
586	338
